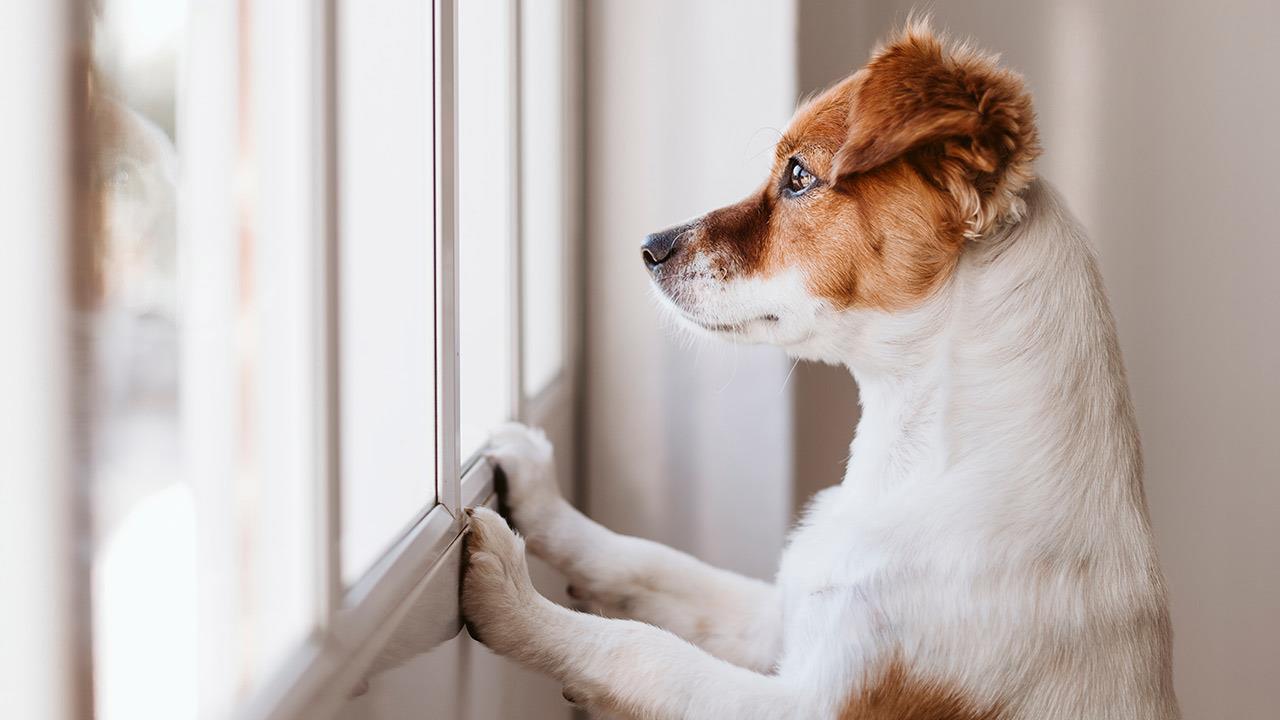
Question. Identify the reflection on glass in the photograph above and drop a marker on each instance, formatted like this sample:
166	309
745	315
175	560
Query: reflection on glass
195	309
144	570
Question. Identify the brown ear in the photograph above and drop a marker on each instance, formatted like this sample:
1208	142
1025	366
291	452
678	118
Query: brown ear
964	121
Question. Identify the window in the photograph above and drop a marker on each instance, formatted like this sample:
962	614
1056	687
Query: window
313	253
546	185
486	214
386	273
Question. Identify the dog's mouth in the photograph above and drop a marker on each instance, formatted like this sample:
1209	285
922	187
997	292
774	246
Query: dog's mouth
675	298
732	327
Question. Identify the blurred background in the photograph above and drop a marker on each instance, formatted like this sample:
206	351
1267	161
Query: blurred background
317	250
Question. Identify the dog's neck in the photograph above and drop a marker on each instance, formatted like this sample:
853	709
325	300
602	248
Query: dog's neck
1009	378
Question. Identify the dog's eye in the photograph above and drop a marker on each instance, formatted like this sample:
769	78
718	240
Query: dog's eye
798	178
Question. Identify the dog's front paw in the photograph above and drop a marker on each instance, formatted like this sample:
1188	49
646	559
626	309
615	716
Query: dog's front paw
524	454
499	602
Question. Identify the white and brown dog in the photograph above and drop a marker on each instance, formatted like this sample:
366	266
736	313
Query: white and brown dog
988	555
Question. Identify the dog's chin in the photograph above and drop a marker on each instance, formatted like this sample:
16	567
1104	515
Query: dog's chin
755	324
753	329
764	329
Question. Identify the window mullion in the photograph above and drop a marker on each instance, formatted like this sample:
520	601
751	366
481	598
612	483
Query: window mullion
329	496
448	470
516	185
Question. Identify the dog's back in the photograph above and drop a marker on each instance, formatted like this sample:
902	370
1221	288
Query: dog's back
989	550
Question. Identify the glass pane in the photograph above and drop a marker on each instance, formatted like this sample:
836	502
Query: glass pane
198	311
543	182
281	312
144	563
386	274
486	167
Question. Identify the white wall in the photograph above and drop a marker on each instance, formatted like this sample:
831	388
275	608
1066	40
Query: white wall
1159	123
686	444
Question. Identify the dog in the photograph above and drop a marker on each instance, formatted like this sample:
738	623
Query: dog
988	555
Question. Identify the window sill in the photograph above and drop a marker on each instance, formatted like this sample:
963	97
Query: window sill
411	594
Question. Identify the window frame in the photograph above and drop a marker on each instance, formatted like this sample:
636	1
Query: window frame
417	578
357	622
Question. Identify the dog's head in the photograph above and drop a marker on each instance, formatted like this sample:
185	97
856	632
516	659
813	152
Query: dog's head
877	184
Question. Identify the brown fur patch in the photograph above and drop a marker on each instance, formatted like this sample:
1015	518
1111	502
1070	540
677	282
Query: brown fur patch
886	243
897	695
746	226
968	122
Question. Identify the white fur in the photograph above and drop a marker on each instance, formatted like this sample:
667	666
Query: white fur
990	531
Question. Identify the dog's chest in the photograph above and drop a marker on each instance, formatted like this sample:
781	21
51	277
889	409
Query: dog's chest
831	549
831	579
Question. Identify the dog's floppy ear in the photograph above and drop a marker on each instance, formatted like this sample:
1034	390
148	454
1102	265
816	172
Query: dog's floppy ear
960	118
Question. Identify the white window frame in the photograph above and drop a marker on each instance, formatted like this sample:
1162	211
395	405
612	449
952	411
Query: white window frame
411	592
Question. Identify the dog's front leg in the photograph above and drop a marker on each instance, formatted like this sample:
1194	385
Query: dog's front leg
623	667
730	616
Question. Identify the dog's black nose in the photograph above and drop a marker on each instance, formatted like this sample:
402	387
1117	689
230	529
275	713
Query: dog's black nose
661	246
